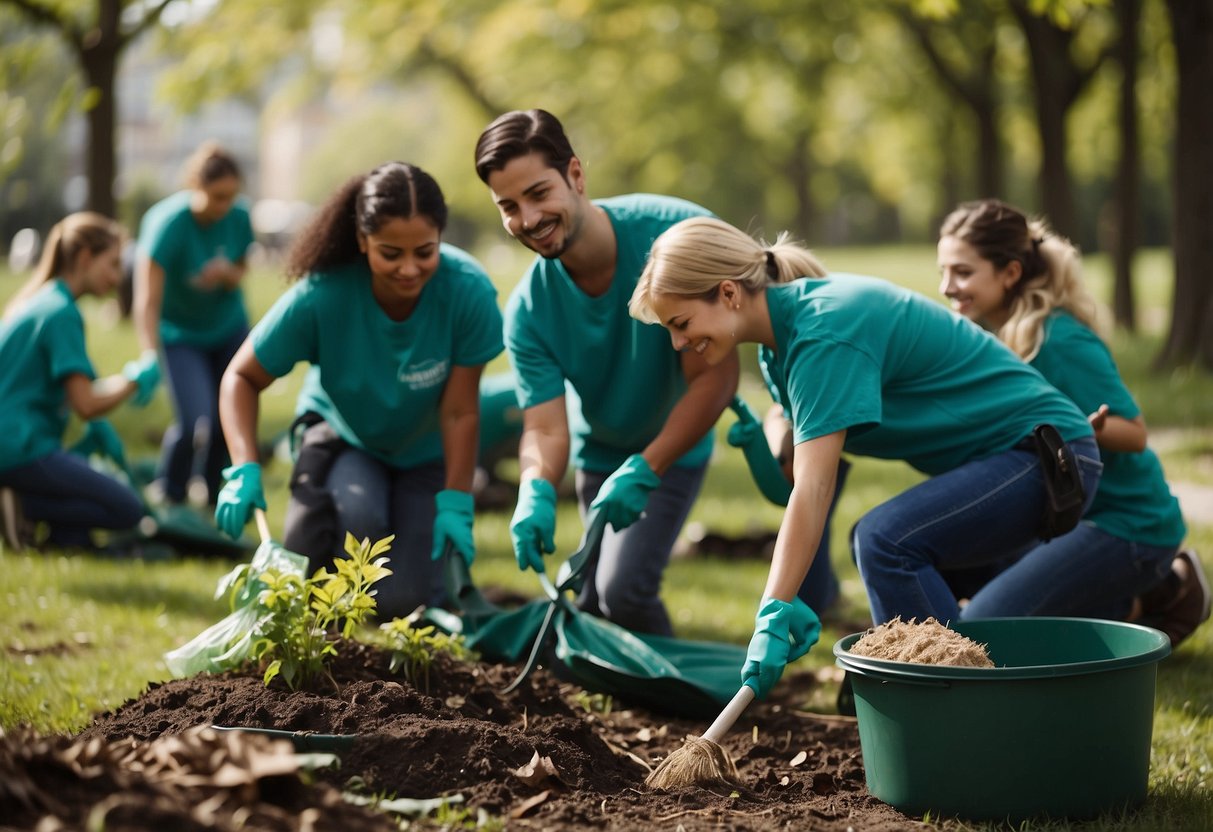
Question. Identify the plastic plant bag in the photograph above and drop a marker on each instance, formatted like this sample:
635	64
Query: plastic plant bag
228	642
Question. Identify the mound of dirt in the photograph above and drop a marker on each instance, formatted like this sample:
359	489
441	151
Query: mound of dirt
927	643
545	756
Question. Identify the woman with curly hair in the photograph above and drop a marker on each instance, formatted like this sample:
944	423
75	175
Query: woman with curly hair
397	327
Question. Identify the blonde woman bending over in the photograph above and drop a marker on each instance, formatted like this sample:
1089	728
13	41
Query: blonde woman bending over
876	370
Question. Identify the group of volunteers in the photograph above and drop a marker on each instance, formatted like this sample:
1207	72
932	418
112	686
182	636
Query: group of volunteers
1041	496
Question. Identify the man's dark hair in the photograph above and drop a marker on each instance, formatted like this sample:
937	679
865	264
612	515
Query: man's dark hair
520	133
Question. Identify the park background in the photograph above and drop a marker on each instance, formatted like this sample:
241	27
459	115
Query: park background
854	125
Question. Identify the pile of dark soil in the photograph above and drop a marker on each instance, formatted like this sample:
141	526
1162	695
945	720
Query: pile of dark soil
547	756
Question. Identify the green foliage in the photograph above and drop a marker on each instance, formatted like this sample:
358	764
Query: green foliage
594	703
304	618
458	816
414	648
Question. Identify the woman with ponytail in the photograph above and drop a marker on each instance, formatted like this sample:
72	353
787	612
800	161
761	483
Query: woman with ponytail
397	327
1023	282
45	373
876	370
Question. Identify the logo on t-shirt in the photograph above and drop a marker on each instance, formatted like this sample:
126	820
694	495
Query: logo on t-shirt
424	374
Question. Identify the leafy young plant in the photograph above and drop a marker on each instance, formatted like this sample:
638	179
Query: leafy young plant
594	703
413	649
303	619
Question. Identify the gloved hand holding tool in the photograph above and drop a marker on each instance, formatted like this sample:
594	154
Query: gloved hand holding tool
533	527
100	438
783	632
746	433
625	493
144	371
453	524
238	497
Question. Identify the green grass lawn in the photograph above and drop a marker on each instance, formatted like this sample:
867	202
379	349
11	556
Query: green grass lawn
85	634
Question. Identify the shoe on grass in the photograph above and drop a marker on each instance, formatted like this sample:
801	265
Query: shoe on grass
1192	603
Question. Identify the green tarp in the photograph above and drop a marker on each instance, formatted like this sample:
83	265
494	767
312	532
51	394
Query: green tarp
692	679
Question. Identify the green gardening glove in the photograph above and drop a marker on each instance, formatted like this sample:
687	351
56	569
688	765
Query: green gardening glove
453	524
783	632
746	433
145	373
626	492
101	439
533	527
237	498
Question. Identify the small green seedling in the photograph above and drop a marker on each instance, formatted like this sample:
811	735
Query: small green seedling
304	619
594	703
413	649
451	816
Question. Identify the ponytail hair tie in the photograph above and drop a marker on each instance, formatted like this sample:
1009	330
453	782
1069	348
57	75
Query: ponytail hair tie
772	266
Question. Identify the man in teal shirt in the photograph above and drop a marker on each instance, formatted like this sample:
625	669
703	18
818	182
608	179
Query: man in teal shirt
640	415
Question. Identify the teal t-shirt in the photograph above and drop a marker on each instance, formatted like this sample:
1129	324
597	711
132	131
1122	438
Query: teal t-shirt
1133	501
621	376
181	246
905	377
40	345
378	382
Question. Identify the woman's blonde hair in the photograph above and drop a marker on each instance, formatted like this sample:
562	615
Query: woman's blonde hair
1051	269
75	233
692	257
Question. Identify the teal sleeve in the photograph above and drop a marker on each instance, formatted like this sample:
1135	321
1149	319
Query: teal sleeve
159	238
65	347
1075	361
832	386
478	337
766	362
538	374
287	334
244	232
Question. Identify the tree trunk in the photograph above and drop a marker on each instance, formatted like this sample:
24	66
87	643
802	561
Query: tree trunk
99	49
1054	84
1128	167
1191	334
989	171
799	171
100	69
977	90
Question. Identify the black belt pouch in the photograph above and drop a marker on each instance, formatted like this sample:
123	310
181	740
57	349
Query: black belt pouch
1064	495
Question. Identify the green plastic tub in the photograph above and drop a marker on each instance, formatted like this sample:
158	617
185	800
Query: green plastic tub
1060	728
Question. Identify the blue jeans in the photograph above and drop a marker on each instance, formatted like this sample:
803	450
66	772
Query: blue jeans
1087	573
984	514
63	491
820	586
372	499
192	375
623	584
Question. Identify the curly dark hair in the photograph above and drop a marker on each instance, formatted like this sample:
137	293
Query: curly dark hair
363	204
